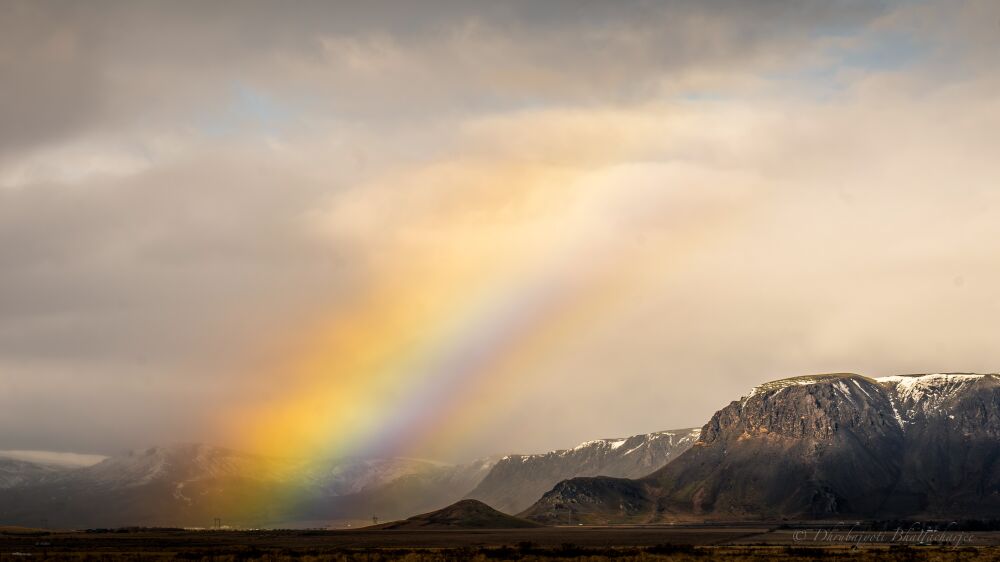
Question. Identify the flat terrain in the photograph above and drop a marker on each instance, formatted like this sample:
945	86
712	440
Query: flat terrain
552	543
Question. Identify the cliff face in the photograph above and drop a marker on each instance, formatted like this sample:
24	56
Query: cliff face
811	446
821	447
816	408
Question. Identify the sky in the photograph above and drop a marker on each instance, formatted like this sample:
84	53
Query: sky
453	229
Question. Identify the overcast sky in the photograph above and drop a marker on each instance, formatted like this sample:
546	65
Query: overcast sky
716	194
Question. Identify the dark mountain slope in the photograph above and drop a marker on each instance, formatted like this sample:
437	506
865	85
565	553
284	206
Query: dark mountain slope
952	459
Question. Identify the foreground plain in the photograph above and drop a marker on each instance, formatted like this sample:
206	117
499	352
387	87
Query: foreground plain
748	542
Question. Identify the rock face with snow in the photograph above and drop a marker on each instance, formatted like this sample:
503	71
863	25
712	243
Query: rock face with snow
819	447
519	480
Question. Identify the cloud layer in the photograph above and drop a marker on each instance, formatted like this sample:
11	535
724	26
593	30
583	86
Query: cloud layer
191	194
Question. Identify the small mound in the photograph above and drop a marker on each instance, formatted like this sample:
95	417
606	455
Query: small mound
465	514
27	531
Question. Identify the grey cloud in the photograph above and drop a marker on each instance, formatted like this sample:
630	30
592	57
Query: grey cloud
52	77
113	64
129	295
117	267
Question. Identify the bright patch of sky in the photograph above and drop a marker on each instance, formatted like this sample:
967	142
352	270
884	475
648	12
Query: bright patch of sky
249	110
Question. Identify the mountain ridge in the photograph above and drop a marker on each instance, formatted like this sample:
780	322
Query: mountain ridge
516	481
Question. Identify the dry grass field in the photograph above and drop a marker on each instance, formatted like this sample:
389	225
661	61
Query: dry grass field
737	543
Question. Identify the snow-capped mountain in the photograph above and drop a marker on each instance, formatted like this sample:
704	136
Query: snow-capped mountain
518	480
176	463
823	446
192	484
16	472
817	446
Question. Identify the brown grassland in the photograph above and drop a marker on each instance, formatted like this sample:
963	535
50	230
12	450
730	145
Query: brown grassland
737	543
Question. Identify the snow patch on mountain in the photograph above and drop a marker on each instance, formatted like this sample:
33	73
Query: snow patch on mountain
52	458
909	395
928	395
780	384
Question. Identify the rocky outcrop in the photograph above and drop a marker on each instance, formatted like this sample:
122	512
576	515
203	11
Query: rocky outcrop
594	500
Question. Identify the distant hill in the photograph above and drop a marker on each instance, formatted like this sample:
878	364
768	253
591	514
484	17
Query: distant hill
825	446
464	514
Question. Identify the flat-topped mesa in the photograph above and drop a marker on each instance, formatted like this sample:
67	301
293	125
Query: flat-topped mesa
804	380
814	406
916	387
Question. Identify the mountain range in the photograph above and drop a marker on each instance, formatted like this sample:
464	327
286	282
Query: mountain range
193	484
818	447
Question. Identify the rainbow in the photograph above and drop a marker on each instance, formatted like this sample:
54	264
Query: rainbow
437	346
398	372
